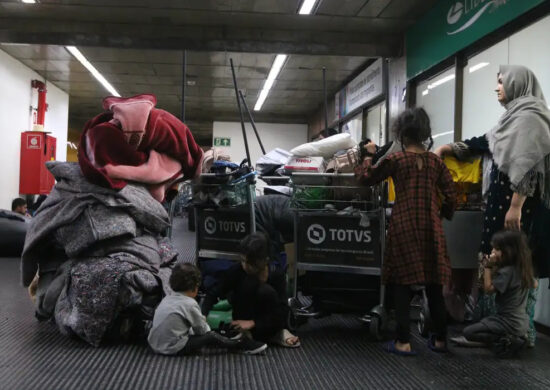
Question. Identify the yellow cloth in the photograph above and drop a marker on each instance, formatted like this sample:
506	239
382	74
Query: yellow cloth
464	172
391	190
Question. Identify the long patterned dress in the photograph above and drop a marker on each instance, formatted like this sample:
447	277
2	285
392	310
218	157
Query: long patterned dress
416	251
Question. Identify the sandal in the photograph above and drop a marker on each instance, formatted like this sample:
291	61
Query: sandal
391	348
282	339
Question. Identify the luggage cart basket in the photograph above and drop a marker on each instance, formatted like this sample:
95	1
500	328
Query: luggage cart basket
339	229
228	218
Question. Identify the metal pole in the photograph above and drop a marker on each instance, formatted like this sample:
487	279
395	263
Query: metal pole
252	121
184	82
325	96
240	112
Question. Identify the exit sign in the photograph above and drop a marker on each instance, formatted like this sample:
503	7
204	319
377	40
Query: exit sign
222	141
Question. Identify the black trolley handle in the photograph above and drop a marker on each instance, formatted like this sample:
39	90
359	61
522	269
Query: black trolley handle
251	118
240	110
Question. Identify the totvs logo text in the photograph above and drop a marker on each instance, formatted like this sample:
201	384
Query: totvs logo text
317	234
211	226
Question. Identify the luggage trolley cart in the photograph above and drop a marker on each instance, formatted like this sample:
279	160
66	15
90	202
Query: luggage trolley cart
339	228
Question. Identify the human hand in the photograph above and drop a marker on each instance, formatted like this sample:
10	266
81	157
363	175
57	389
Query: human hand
512	220
486	261
492	259
443	150
243	324
370	147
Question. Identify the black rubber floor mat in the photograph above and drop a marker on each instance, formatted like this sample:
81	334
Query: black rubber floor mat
336	353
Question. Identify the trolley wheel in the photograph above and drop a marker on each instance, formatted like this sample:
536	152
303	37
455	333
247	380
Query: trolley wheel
424	322
375	327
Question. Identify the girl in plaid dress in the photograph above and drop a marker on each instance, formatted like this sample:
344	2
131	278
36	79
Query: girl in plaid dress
416	252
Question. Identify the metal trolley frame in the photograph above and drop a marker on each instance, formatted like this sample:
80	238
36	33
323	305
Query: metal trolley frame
341	230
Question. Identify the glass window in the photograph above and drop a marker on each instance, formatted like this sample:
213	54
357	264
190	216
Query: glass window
480	107
437	97
529	47
376	124
354	127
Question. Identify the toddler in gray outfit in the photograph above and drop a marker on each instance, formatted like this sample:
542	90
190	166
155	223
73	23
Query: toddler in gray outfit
179	326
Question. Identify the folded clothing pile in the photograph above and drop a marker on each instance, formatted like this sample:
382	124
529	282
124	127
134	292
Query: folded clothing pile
99	256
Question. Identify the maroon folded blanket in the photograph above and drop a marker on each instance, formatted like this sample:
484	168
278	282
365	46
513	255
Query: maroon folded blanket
135	142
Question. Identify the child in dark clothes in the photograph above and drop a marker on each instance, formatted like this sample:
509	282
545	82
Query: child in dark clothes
508	274
416	252
258	296
179	326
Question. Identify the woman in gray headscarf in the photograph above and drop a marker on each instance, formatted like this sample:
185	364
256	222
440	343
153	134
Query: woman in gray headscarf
516	178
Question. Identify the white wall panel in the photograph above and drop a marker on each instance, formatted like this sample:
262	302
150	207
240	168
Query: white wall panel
15	100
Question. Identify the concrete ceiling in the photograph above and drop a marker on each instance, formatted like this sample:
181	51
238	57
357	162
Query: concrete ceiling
137	45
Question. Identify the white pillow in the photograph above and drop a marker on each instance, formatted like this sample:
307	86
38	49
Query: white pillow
325	147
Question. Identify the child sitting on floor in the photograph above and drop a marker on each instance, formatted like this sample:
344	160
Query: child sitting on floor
508	274
258	295
179	326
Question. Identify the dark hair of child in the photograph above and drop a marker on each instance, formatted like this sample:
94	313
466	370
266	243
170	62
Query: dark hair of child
17	202
185	277
515	251
255	249
413	127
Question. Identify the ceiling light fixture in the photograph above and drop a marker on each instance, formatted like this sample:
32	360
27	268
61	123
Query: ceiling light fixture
29	1
80	57
271	77
478	66
307	7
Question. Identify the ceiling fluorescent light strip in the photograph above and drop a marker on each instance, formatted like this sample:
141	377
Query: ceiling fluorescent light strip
29	1
80	57
478	66
271	77
307	7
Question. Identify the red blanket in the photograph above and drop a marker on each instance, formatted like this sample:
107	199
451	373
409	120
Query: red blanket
135	142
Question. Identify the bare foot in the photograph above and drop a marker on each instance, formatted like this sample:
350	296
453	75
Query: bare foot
292	340
404	347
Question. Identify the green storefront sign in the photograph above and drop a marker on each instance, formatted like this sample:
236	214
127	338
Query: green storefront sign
222	141
453	25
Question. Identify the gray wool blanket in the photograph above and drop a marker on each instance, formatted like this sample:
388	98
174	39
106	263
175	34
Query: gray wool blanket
98	253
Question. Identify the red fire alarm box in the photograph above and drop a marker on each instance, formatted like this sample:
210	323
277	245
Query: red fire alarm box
37	148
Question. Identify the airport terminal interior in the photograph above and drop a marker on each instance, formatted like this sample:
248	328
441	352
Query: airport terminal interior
238	194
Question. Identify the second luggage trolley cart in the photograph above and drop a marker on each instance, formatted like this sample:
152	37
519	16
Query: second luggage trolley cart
339	227
220	229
